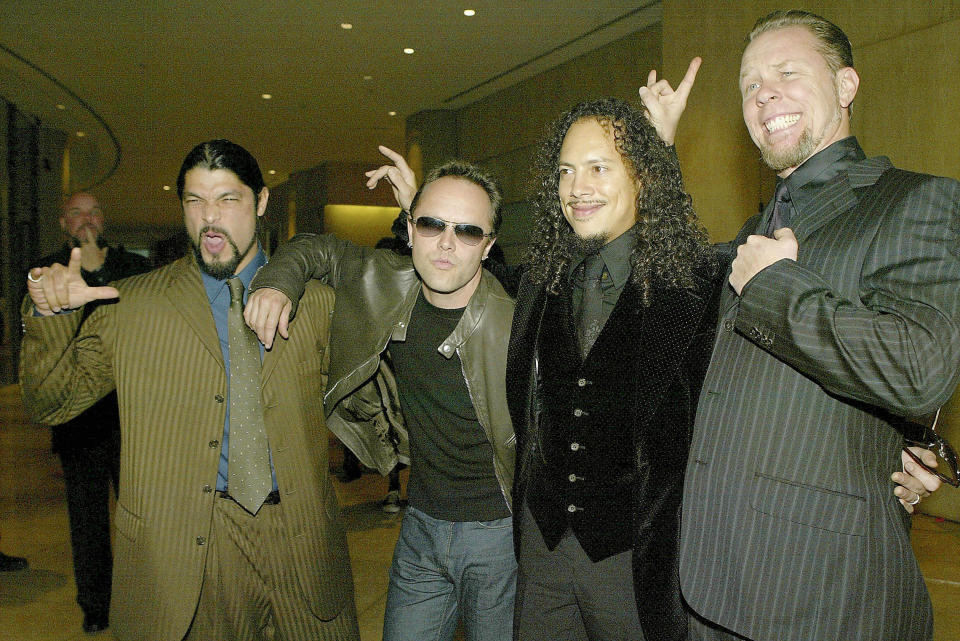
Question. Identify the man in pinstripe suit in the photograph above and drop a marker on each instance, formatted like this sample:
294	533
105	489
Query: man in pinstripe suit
191	561
842	314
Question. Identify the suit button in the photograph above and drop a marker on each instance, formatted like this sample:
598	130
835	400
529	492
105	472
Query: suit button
214	444
218	398
201	540
581	382
446	348
207	489
574	446
728	325
578	412
571	508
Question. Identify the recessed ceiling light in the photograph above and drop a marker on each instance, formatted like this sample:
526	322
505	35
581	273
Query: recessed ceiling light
166	187
368	78
408	50
266	96
272	172
61	107
391	113
469	12
81	134
346	25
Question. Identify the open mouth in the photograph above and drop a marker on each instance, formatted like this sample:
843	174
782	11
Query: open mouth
780	123
213	242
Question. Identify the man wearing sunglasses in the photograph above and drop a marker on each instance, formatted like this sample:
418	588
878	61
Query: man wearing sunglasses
435	323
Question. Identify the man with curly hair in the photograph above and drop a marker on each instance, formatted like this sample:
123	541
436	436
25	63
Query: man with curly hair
611	337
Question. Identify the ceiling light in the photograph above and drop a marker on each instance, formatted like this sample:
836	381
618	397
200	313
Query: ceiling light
61	107
368	78
408	50
469	12
166	187
266	96
81	134
346	25
272	172
391	113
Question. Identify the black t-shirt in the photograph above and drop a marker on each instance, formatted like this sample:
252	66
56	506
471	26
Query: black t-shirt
451	461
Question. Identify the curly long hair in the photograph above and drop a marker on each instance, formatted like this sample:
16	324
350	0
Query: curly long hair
671	243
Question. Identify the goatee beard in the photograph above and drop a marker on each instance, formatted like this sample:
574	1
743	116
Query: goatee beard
220	270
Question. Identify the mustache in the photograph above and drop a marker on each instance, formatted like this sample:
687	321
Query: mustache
585	201
217	230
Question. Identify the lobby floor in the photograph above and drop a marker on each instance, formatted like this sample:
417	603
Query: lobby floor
38	604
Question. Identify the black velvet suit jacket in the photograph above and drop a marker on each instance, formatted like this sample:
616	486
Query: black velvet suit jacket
677	333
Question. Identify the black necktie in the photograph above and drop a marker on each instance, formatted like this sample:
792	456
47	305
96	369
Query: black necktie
248	472
781	209
591	308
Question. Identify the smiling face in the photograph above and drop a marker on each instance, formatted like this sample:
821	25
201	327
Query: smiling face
220	213
793	104
450	269
598	192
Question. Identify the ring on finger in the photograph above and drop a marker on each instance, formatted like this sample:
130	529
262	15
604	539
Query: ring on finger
915	501
32	279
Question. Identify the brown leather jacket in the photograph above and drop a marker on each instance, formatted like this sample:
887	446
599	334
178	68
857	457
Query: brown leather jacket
376	291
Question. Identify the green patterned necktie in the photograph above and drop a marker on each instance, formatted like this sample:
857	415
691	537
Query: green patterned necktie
248	477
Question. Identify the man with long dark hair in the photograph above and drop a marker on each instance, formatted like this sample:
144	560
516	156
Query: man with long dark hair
227	523
615	319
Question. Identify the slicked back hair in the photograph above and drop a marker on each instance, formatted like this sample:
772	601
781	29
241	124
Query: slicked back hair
832	42
223	154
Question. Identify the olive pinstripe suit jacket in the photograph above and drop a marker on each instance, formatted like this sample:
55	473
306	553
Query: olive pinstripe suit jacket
158	347
790	529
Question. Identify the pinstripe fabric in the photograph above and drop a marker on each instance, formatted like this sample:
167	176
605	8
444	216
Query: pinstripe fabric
250	587
158	346
790	530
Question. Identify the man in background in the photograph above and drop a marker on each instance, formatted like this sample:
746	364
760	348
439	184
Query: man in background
842	314
89	445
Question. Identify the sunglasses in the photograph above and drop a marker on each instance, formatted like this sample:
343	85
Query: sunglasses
428	227
948	466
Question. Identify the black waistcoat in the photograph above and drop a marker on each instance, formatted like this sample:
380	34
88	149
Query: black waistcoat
587	475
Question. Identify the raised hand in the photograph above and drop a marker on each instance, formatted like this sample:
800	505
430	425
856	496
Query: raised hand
57	288
663	105
267	312
399	175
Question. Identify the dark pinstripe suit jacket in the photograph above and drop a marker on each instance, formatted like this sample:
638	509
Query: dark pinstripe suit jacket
158	348
790	530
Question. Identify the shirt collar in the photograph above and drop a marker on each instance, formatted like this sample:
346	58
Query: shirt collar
216	287
616	257
824	165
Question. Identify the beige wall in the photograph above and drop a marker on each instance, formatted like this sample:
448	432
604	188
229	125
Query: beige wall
501	131
906	53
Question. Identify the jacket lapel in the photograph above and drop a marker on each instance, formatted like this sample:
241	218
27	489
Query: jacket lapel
187	295
664	330
840	196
